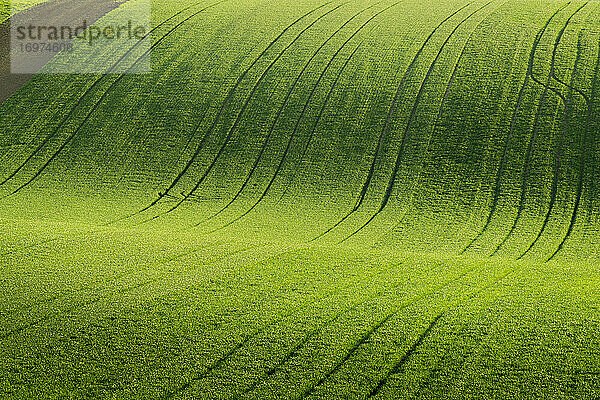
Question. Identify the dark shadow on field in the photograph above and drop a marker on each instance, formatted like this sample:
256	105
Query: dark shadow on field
52	13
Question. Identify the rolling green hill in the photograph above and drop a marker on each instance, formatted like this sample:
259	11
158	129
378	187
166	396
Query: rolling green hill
343	199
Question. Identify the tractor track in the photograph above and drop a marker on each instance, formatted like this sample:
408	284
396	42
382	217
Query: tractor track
582	160
257	332
404	140
435	125
272	180
560	145
314	333
306	104
387	124
367	335
96	105
496	191
534	130
398	366
277	118
224	105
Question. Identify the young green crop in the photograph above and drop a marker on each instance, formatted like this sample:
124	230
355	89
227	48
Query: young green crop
309	199
10	7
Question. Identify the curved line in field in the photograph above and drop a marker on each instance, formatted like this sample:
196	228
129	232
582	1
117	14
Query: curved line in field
211	128
529	74
218	118
529	153
74	11
88	91
317	121
366	336
400	364
439	114
583	151
305	149
560	145
388	121
373	329
272	180
555	50
311	335
394	174
386	127
96	105
255	334
436	371
324	325
280	112
525	173
591	184
304	110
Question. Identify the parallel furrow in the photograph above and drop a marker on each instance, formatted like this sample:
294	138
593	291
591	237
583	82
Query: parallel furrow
256	333
413	113
316	332
277	118
374	329
286	151
582	160
438	116
272	180
96	105
386	126
560	145
208	133
513	125
527	166
533	136
366	336
72	110
232	129
398	366
309	99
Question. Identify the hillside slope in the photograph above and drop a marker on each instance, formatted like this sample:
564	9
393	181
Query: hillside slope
306	199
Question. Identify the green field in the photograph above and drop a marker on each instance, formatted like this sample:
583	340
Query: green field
307	199
8	7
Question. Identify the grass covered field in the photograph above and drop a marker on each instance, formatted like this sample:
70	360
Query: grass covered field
8	7
306	199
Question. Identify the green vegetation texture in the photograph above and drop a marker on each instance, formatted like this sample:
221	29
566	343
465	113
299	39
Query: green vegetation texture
305	199
9	7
